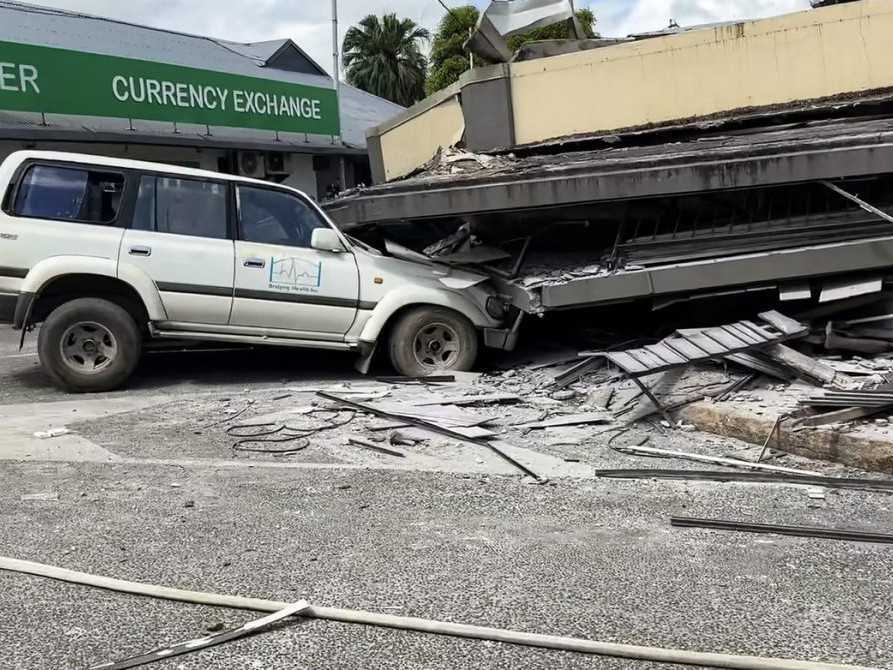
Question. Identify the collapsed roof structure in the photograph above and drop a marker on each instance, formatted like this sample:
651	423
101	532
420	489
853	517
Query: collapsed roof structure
745	156
504	18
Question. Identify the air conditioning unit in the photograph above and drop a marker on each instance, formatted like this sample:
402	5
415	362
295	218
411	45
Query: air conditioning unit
276	163
251	164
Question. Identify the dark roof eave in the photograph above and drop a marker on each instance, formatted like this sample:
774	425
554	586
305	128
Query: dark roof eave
199	141
768	157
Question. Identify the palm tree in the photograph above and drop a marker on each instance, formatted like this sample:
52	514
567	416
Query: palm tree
383	57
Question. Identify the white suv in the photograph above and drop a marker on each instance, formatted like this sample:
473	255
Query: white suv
107	253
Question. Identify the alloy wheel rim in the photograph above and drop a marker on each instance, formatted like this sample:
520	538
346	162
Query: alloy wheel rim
436	346
88	347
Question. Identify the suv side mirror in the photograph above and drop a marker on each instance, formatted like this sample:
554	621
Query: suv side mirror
326	239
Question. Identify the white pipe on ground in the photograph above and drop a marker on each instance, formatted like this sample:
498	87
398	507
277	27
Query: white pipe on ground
423	625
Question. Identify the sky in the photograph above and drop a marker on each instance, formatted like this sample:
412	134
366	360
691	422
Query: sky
308	22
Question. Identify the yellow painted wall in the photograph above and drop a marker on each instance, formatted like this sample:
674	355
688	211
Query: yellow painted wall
813	54
414	142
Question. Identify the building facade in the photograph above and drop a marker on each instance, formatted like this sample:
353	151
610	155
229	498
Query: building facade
75	82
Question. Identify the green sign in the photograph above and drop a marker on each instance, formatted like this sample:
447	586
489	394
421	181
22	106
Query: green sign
58	81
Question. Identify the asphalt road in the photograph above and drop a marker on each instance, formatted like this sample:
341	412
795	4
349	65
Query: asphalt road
581	557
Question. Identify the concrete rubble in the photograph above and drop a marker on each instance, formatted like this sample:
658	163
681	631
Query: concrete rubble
702	398
525	407
519	433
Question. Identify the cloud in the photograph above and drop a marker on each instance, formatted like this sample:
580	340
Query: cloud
623	17
308	22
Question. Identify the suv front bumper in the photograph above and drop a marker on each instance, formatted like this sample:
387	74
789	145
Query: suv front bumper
504	338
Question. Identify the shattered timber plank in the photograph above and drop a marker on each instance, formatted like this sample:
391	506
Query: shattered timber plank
763	367
805	365
844	415
691	345
783	323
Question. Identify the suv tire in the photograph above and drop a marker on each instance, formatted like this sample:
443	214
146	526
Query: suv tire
430	340
89	345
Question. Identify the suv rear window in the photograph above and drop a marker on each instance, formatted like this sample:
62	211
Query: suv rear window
182	207
69	194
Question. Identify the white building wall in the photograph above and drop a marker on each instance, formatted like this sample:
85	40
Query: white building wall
302	175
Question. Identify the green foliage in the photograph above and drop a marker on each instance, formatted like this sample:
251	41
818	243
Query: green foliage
448	59
383	57
558	31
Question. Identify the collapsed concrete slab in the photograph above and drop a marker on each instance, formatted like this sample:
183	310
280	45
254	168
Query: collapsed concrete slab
724	71
730	210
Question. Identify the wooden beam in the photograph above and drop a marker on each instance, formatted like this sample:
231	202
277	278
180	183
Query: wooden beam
843	415
805	365
785	324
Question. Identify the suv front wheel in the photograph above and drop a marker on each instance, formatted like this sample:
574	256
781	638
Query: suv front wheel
89	345
429	340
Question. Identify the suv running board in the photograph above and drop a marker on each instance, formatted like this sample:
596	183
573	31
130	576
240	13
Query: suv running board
250	339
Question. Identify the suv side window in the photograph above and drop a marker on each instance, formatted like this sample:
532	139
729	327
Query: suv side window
182	207
69	194
267	216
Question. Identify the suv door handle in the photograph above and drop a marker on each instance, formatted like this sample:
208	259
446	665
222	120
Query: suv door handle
140	251
255	263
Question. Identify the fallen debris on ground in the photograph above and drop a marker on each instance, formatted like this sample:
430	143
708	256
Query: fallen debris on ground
434	427
796	531
883	485
484	399
567	420
375	447
250	628
700	458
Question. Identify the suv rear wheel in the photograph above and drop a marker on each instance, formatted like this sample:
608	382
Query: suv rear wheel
89	345
429	340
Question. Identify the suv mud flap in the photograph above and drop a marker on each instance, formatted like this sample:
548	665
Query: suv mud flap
8	303
367	353
22	316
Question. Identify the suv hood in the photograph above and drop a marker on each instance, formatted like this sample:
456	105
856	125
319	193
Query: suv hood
447	275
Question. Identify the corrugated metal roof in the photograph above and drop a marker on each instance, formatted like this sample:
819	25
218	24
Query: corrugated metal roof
258	51
45	26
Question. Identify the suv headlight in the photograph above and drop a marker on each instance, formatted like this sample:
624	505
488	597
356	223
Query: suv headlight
497	307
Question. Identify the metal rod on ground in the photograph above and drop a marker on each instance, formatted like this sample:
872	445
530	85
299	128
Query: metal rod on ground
433	379
737	386
752	477
374	447
657	654
733	462
433	427
795	531
654	401
205	642
775	426
690	400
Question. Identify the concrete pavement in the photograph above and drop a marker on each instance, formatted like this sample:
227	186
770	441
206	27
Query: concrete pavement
455	535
